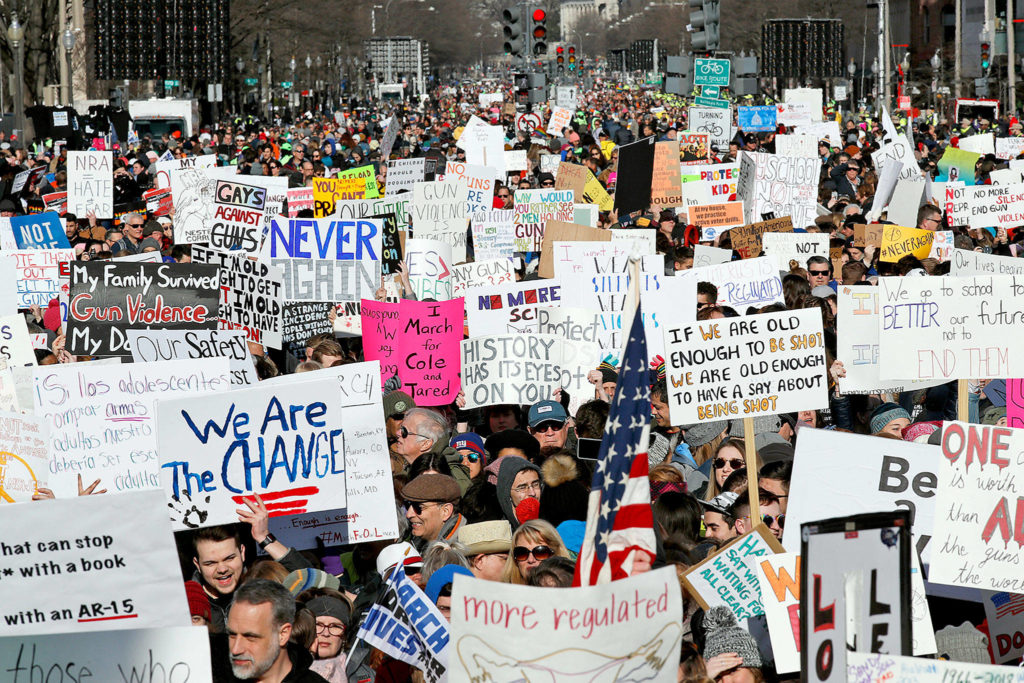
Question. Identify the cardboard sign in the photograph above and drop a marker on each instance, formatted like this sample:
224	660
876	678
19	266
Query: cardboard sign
15	344
728	576
783	186
508	308
559	231
419	342
966	262
493	234
561	118
428	263
868	235
779	579
950	327
709	256
665	182
898	241
633	179
403	174
114	570
150	346
101	417
714	219
694	148
756	119
250	295
108	298
520	368
326	259
208	446
742	367
533	209
91	183
753	282
439	213
862	667
632	625
795	246
304	319
38	274
481	274
193	192
39	231
24	454
571	177
479	182
747	239
854	591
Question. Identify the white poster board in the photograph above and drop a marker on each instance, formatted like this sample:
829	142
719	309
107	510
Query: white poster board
91	183
748	282
795	246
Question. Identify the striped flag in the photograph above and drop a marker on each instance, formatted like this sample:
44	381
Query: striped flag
620	524
1007	604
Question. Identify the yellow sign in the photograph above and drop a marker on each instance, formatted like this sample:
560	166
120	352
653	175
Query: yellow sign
898	241
594	193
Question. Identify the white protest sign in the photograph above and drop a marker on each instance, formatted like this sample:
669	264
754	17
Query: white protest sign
285	442
968	263
164	167
640	241
863	667
533	209
192	190
728	576
709	256
782	186
942	246
37	274
509	307
24	453
578	326
403	174
150	346
8	285
795	246
566	96
779	579
520	368
1006	176
981	143
516	160
237	219
822	130
857	345
797	113
561	118
493	232
716	122
250	294
479	181
796	145
484	145
905	202
633	625
15	343
428	264
814	97
9	392
481	273
741	367
114	567
984	206
1005	615
1008	148
101	417
91	183
951	327
748	282
438	211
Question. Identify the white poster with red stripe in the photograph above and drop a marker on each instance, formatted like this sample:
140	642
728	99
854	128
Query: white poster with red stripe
284	442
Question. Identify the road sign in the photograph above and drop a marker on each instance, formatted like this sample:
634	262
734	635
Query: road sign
251	81
172	83
840	92
903	102
711	102
286	84
711	72
712	91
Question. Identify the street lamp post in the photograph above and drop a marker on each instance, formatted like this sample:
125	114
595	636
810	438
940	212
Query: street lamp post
874	80
936	62
239	91
16	36
67	39
851	71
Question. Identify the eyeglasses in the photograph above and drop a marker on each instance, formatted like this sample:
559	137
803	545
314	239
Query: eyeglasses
531	486
332	629
548	427
417	506
768	519
472	457
540	553
504	196
404	433
547	183
818	272
734	464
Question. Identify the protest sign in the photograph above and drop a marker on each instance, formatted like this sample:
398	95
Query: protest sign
728	576
24	454
982	143
868	235
746	239
484	145
299	199
632	625
237	220
428	264
493	234
348	188
709	256
159	201
56	201
150	346
781	186
862	667
594	193
326	259
720	179
208	445
516	160
795	246
572	177
112	570
854	591
508	308
354	184
796	145
984	206
950	327
580	327
714	219
403	174
716	122
967	262
770	363
406	625
9	393
38	274
750	282
108	298
694	148
387	141
1009	148
481	273
517	368
796	113
585	214
531	212
957	165
101	417
304	319
1004	613
898	241
39	231
560	119
438	212
250	295
633	176
756	119
165	167
391	243
15	343
90	184
347	321
478	180
779	580
566	96
905	202
858	347
558	231
942	246
666	192
643	241
419	342
178	653
192	190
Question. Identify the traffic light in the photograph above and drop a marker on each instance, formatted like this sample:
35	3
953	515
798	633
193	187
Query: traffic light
560	58
572	58
985	56
513	32
540	32
704	24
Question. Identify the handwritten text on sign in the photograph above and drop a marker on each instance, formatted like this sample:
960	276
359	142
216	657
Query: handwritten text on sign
533	209
523	368
739	367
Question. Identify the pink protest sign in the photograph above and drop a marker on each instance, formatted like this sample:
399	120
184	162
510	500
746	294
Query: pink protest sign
1015	403
419	341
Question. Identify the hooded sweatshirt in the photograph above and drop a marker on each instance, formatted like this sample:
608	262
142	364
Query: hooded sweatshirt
511	465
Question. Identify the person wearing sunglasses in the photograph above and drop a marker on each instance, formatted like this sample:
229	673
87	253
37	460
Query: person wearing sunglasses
729	457
532	543
504	195
470	449
420	430
549	424
431	506
519	480
819	271
771	514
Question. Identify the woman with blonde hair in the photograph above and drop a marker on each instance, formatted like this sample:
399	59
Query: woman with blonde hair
532	543
730	456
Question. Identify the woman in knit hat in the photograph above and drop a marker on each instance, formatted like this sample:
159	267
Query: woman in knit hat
730	653
333	613
889	418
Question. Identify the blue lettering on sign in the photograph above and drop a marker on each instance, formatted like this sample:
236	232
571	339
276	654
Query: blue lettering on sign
39	231
325	238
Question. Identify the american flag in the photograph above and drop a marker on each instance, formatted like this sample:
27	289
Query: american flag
619	520
1008	604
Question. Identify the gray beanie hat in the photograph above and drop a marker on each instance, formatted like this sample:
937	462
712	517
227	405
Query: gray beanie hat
723	634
